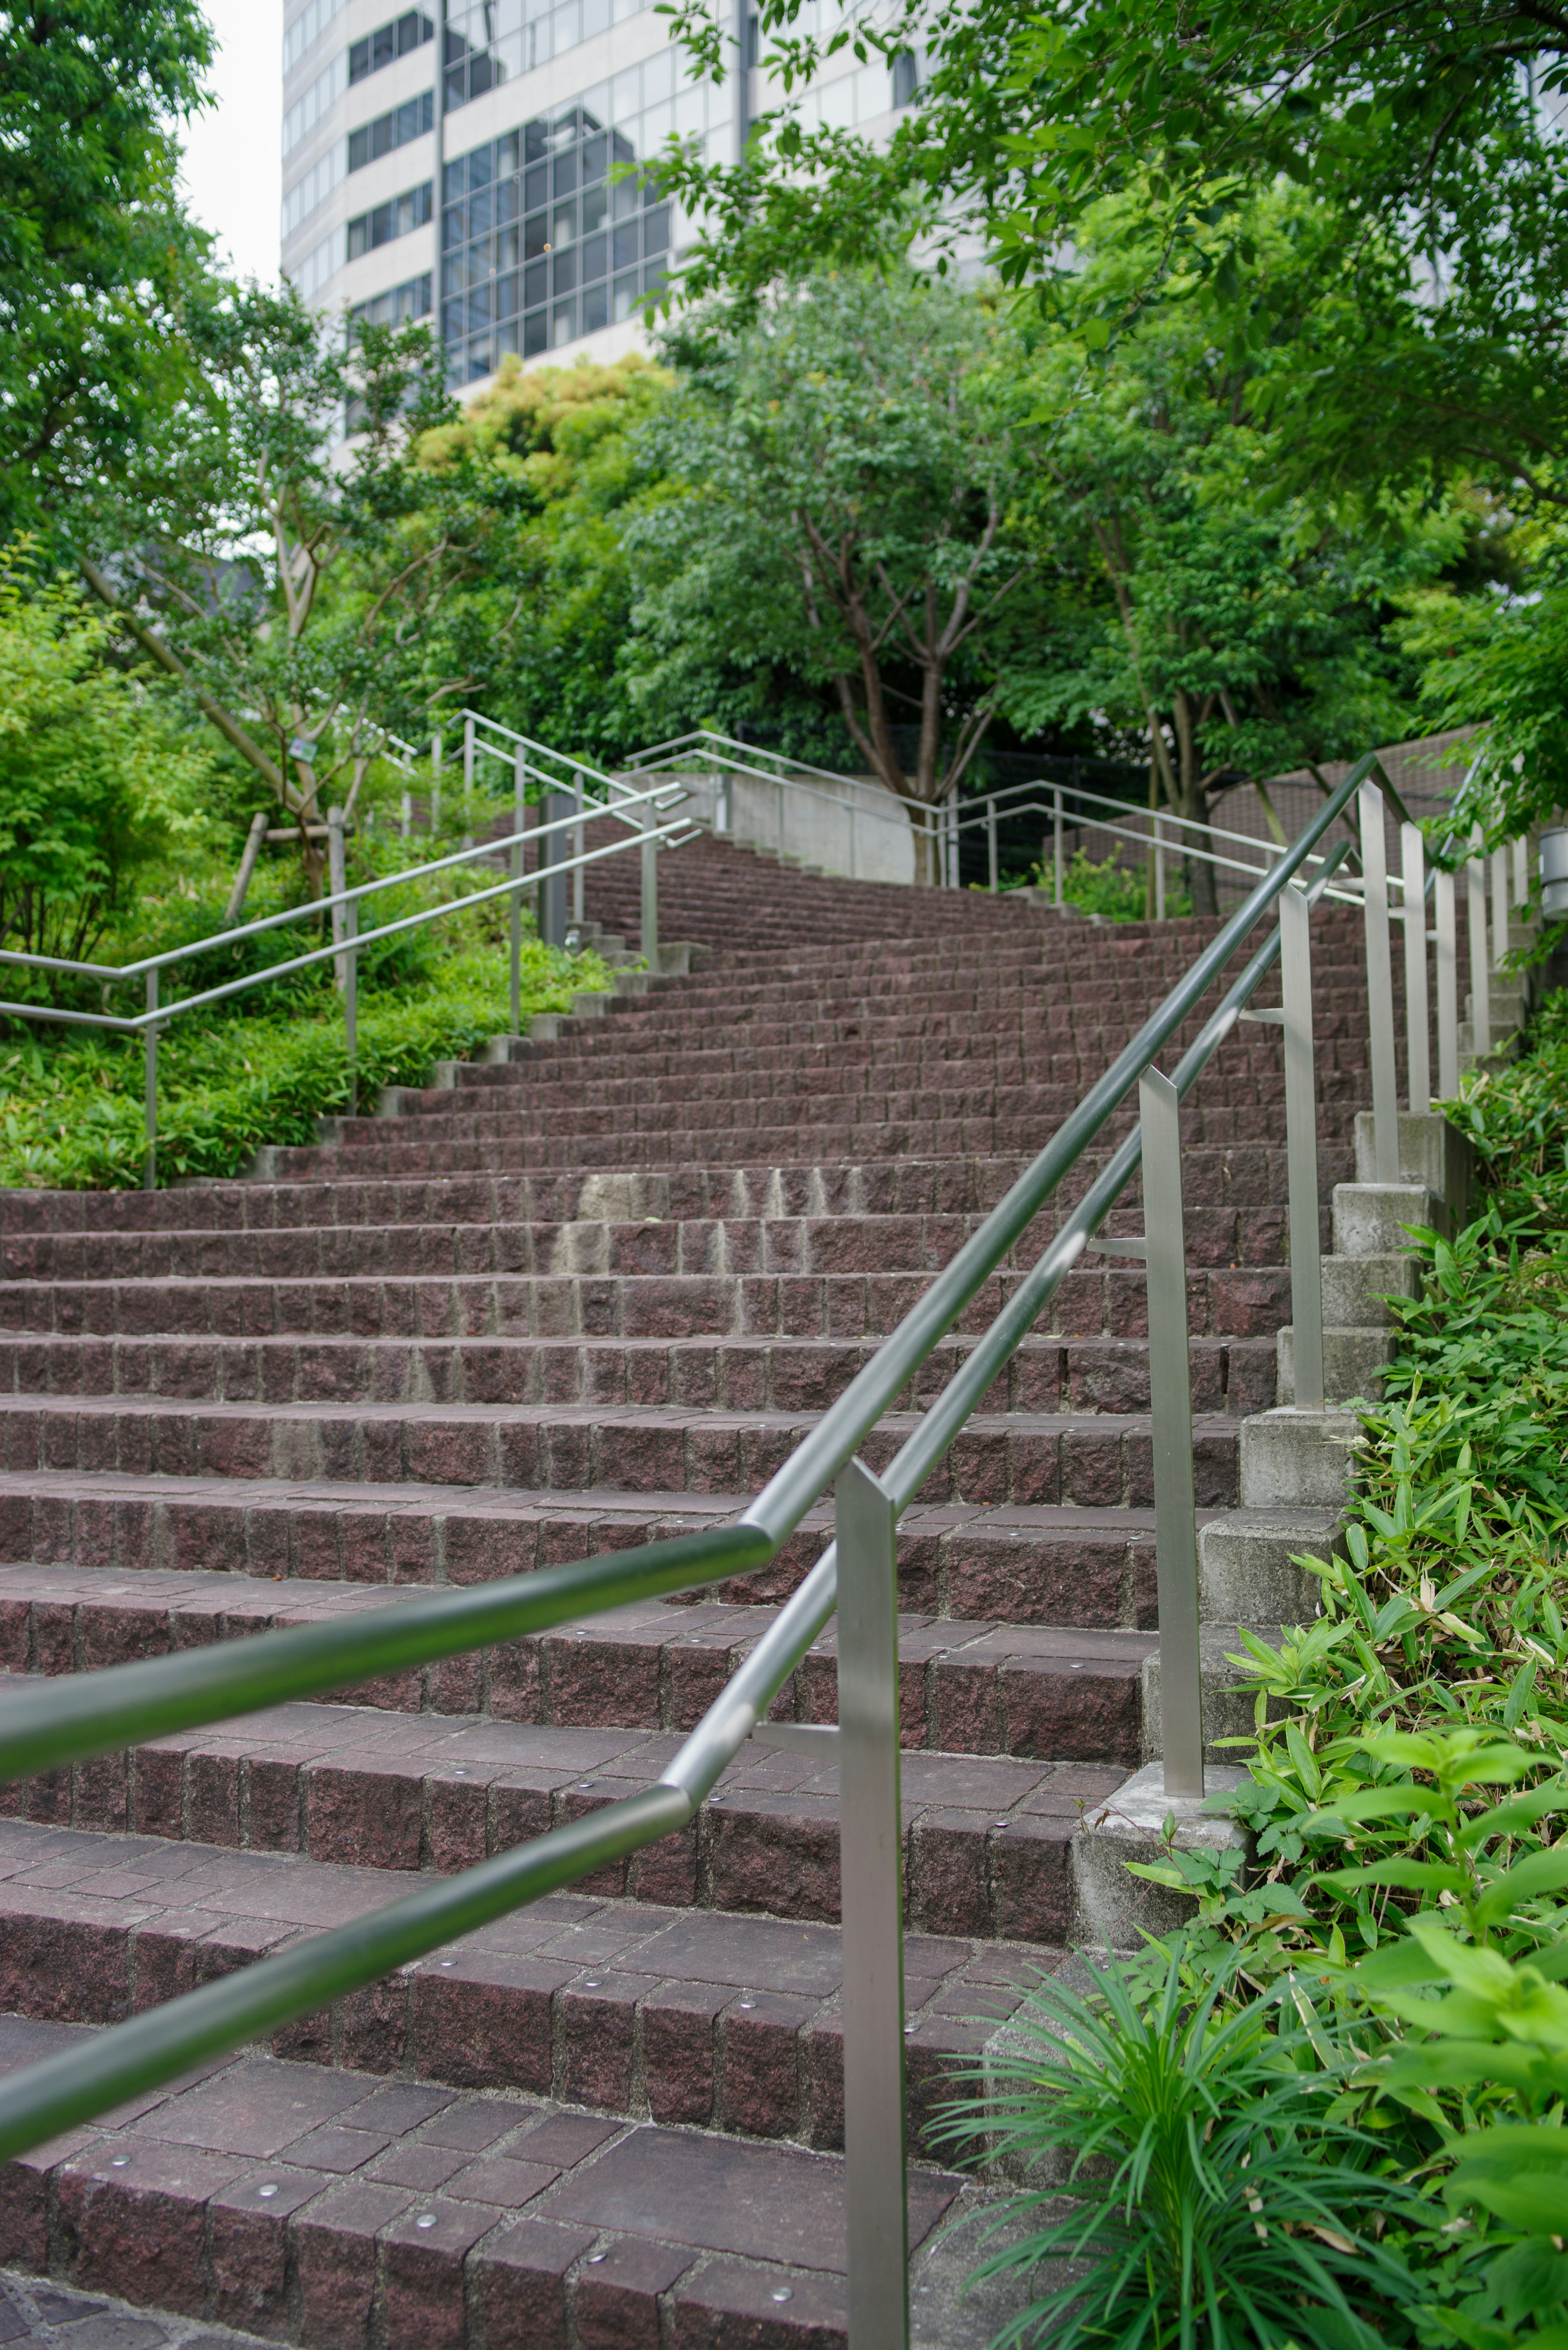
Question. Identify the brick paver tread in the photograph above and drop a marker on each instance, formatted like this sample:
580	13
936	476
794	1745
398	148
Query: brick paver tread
590	1293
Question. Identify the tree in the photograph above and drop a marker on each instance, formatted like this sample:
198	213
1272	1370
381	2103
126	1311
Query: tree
296	591
851	456
96	257
1422	130
97	779
1242	632
1505	657
560	449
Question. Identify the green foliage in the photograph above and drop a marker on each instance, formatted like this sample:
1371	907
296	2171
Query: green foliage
843	472
97	781
1518	1122
97	256
1115	891
562	451
71	1117
1216	2196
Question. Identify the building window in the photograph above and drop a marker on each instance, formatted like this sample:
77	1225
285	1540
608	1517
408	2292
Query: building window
313	189
396	305
409	211
306	30
488	42
539	244
407	122
309	276
906	77
318	101
388	41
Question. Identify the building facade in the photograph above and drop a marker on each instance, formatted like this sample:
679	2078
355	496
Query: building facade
455	163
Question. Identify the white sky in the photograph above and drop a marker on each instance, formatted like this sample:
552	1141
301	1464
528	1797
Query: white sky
232	174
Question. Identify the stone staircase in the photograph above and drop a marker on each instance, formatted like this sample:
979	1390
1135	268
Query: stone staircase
578	1297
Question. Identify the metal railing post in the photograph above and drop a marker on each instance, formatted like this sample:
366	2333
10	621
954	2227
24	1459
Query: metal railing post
1498	905
149	1103
406	815
352	1004
1170	1398
435	783
336	886
650	917
1480	963
1158	870
515	903
1379	984
870	1843
555	808
1418	1009
468	755
579	843
1056	840
1301	1146
1448	963
1521	870
991	842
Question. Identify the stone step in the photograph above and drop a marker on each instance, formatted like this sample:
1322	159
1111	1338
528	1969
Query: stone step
642	1150
1214	1175
653	1243
987	1837
606	1376
337	2207
748	1098
971	1686
1093	1461
854	1302
1048	1564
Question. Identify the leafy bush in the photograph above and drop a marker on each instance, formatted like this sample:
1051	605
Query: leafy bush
1215	2194
72	1118
1115	891
97	782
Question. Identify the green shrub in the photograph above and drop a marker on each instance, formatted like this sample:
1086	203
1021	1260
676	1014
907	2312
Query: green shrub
1115	891
97	782
72	1118
1216	2196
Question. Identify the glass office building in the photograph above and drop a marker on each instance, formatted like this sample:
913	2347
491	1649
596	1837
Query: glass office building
459	161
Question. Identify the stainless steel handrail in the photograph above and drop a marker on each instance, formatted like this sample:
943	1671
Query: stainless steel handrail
67	1722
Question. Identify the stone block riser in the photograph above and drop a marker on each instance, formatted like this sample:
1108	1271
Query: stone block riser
586	1291
1095	1461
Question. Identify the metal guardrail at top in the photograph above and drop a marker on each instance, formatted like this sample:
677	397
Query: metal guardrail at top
639	810
67	1722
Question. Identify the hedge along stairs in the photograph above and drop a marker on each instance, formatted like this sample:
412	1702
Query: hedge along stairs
577	1298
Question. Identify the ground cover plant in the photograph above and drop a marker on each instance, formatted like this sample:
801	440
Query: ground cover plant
1394	1962
265	1066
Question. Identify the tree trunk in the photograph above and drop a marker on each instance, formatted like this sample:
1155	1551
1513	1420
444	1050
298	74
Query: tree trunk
1200	874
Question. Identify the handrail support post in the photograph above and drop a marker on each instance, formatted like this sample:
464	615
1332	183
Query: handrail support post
649	911
1057	841
337	884
870	1837
1301	1148
149	1161
579	843
351	1003
991	843
1418	1011
1379	983
514	903
1170	1397
1481	967
1448	975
